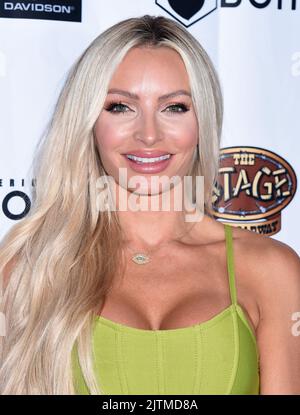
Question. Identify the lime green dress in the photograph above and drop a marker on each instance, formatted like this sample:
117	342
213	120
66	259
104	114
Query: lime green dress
218	356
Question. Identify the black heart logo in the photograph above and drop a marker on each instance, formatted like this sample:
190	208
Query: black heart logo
186	9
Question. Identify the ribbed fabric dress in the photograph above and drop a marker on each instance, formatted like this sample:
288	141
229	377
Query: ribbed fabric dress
217	356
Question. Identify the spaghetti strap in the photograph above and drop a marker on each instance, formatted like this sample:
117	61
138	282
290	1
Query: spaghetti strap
230	262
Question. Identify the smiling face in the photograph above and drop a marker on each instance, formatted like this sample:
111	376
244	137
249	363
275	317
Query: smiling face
137	119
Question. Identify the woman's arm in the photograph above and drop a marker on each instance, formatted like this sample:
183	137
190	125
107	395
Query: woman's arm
278	332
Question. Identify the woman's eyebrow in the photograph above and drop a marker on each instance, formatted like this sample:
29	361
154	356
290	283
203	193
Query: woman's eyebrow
162	97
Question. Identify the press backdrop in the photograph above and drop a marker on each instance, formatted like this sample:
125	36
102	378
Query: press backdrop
255	47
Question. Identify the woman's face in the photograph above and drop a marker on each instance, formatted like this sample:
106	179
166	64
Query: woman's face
146	121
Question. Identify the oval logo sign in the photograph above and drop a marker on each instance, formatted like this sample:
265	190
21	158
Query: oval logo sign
253	186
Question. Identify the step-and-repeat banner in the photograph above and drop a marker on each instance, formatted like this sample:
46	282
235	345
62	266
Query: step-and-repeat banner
255	47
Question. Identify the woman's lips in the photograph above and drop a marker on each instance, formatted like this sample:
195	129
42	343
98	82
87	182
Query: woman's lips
154	167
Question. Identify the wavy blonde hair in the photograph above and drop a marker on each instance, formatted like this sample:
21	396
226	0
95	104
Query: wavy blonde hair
63	251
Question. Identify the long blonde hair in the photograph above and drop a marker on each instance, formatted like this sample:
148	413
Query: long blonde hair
63	251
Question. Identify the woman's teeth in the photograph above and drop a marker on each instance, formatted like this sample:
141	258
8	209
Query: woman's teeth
147	159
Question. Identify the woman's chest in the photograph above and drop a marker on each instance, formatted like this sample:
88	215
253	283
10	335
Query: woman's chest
171	292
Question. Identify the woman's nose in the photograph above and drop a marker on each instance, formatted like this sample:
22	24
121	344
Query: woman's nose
148	130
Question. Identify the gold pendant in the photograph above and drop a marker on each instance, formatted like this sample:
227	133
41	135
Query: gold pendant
140	258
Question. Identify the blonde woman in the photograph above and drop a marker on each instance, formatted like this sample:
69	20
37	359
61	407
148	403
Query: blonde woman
104	301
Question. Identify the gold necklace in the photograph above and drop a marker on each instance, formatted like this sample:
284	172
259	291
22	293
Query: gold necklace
141	258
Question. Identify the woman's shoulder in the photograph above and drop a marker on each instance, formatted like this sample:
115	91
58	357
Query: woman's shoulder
264	251
271	267
257	252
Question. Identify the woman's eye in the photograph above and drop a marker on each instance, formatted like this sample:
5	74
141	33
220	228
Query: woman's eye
114	105
181	107
174	108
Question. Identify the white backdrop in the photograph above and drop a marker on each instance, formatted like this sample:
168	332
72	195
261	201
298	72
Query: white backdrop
255	46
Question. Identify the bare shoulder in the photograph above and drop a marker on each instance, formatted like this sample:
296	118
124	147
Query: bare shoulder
266	254
267	271
271	266
255	242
